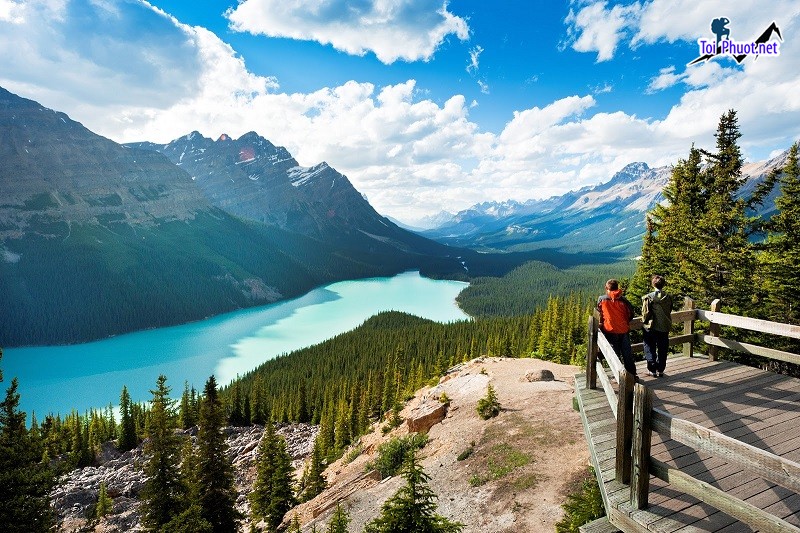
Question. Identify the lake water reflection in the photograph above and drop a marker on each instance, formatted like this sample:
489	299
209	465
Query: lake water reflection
61	378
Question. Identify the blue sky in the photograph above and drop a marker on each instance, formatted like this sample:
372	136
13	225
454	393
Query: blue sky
424	105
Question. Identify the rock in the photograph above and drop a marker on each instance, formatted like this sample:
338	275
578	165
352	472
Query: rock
425	416
539	375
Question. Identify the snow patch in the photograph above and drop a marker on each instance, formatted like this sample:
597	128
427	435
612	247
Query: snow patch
302	175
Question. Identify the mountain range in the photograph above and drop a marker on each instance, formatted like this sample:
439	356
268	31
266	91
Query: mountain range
609	216
98	239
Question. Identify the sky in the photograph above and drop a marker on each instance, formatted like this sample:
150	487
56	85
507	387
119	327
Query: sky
424	105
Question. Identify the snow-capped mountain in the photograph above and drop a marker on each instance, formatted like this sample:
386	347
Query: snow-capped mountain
252	178
609	216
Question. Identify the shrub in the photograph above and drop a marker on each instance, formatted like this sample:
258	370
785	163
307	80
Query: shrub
582	507
488	406
444	398
392	453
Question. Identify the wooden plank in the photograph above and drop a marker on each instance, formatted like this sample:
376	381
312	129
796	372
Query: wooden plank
591	356
688	326
640	447
609	355
713	330
729	386
700	385
760	409
734	507
601	525
607	387
771	353
624	427
752	324
769	466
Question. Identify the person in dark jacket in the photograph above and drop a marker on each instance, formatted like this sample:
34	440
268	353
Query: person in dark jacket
656	323
615	314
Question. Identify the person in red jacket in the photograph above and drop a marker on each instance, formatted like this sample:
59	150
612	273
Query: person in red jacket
615	314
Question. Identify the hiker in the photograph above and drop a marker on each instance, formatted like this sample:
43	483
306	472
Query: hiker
615	314
656	323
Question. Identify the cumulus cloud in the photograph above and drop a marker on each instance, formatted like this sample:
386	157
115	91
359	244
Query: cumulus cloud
410	154
596	28
408	30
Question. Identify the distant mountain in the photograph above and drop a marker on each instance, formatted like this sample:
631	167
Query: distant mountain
606	217
98	239
256	180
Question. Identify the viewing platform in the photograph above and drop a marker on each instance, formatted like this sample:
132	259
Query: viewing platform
711	446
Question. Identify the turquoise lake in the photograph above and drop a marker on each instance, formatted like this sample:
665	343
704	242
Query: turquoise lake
61	378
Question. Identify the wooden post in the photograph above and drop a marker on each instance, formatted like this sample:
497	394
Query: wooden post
591	356
624	426
713	330
688	327
640	447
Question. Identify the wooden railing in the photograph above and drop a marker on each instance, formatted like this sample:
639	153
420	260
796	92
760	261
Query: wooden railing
637	419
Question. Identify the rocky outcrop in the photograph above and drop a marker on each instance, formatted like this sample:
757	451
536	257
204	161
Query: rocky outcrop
425	416
75	495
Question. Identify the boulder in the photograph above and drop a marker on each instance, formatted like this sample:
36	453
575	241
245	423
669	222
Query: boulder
539	375
425	416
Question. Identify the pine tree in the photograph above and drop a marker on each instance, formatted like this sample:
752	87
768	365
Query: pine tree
314	481
216	492
488	406
780	260
164	492
724	229
188	409
127	436
272	492
294	526
413	508
105	505
339	520
25	481
282	497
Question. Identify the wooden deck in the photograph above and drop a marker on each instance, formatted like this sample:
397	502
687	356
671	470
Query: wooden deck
759	408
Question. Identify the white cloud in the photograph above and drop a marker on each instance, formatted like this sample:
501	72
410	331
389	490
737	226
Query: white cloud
594	28
474	55
408	30
483	86
666	78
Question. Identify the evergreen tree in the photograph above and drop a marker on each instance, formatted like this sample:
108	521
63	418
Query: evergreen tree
314	481
339	520
724	229
282	498
272	492
780	260
294	526
25	481
164	492
127	436
188	407
105	505
216	491
488	406
413	508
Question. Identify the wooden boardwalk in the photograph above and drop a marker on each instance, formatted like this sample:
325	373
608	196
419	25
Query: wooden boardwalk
755	407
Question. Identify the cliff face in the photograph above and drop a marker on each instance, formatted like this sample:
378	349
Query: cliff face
52	169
